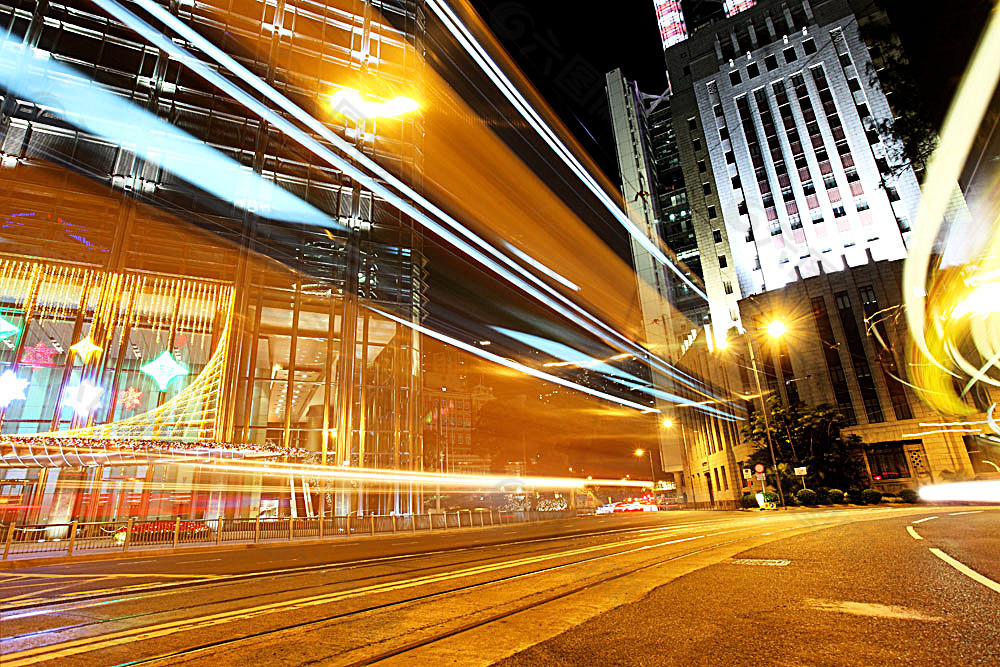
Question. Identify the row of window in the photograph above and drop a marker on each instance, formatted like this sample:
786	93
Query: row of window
771	62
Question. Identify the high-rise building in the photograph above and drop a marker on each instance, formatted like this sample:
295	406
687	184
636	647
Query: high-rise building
777	146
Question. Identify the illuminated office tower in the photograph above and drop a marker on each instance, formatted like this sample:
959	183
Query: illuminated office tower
231	281
777	129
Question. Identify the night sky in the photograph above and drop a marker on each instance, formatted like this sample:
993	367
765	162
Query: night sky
549	39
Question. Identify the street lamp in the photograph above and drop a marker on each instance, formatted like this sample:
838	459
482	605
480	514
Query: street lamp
648	454
775	329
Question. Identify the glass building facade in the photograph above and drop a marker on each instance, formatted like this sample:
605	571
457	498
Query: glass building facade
219	309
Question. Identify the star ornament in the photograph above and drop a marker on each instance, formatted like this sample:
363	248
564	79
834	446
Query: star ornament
11	388
85	348
38	355
130	399
7	329
84	398
164	369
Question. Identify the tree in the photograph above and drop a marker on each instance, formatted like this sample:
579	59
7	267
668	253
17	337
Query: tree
912	133
810	437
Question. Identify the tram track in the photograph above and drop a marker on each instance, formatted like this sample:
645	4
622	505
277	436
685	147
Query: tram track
168	588
76	647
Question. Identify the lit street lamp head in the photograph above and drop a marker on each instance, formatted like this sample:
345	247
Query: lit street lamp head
776	329
639	452
668	422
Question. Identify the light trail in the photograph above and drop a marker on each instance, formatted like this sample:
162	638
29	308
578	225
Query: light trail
423	478
490	68
51	84
985	491
509	363
162	42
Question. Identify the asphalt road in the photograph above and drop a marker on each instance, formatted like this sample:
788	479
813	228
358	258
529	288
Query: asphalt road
639	589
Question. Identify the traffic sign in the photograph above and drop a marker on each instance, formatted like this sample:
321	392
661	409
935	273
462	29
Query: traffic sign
759	468
761	476
801	472
747	473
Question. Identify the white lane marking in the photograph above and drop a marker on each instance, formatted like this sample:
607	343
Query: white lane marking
207	560
969	512
924	519
870	609
966	570
913	533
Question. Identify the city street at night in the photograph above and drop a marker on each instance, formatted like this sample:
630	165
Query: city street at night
499	332
847	584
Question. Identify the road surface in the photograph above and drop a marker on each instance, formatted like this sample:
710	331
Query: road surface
839	586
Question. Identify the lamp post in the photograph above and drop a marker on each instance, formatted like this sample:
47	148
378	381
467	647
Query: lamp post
648	454
775	329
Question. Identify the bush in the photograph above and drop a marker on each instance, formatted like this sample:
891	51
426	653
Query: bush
909	496
871	497
854	497
822	496
748	501
835	497
807	497
770	497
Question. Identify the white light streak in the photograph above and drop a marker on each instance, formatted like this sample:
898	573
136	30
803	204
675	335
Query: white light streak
984	491
465	38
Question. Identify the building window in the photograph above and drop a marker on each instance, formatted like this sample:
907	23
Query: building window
861	204
853	84
794	221
686	70
863	111
712	214
701	166
887	461
735	78
736	183
830	182
753	70
839	212
716	233
809	46
730	157
775	227
706	188
845	60
771	63
692	125
790	55
718	110
697	144
727	285
723	262
817	215
724	133
867	294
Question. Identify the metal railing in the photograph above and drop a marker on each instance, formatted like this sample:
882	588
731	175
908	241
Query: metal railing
67	539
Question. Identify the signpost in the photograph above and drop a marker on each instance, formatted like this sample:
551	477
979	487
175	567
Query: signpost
801	472
747	473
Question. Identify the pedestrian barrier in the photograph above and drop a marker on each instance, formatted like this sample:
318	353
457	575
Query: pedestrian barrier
130	534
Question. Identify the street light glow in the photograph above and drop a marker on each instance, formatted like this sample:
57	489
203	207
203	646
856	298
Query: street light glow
639	452
668	422
776	329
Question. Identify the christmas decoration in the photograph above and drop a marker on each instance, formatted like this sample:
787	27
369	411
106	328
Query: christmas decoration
84	398
130	399
38	355
163	370
85	348
7	329
11	388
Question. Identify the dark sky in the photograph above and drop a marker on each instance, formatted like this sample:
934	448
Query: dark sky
549	40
